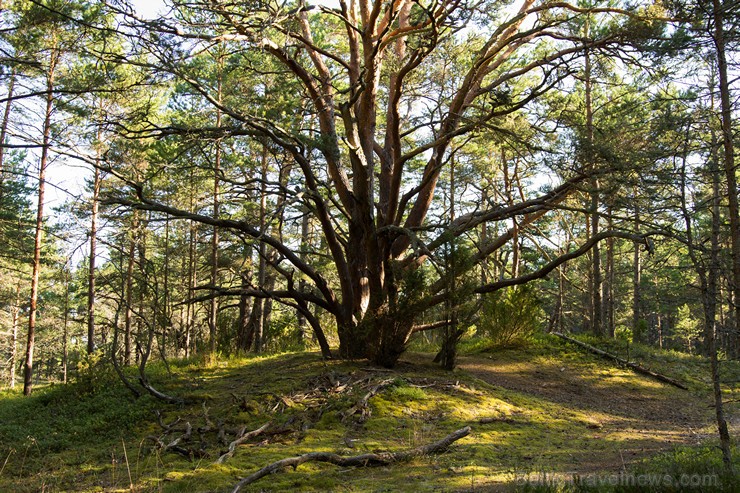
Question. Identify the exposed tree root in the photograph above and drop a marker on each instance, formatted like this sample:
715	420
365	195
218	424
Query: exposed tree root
633	366
364	460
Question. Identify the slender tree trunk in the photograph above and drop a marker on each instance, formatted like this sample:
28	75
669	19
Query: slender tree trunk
143	291
14	334
597	281
729	157
636	274
243	342
448	353
509	197
658	311
4	128
609	284
65	332
213	313
38	238
710	320
484	240
166	308
192	282
93	253
302	285
709	276
258	309
128	318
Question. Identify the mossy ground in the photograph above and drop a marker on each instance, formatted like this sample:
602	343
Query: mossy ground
552	412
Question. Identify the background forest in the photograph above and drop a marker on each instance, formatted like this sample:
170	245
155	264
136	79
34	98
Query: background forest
569	166
361	177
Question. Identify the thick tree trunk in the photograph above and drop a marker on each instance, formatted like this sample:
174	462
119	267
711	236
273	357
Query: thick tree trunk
38	238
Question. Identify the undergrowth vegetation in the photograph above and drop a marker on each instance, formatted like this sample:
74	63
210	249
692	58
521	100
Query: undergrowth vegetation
543	432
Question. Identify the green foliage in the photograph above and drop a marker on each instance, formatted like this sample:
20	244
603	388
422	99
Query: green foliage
509	317
687	328
640	331
623	333
94	373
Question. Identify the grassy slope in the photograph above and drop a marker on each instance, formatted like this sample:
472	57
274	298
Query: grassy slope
71	438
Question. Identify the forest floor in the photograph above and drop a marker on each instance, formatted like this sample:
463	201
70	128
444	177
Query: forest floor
539	415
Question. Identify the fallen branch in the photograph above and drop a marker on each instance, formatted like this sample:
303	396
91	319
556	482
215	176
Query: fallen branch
634	366
508	421
243	437
166	427
175	446
364	460
362	404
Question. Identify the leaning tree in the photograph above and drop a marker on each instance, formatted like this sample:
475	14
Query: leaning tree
365	105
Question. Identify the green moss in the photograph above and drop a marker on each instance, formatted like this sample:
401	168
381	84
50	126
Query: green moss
67	439
407	394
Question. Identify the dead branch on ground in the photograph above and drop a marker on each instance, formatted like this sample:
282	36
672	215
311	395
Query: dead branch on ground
364	460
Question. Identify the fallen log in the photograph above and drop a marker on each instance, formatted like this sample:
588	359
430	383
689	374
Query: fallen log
634	366
364	460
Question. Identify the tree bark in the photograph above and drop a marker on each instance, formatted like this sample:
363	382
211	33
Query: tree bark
129	314
710	326
609	282
257	319
302	284
38	237
213	312
597	281
4	127
93	253
636	274
729	156
14	334
192	282
709	280
448	354
65	331
245	308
